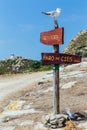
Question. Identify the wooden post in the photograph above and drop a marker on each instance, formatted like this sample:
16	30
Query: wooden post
56	97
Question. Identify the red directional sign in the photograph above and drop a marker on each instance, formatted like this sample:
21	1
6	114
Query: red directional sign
52	37
55	58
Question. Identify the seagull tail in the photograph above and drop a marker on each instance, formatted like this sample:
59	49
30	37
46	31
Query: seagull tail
46	13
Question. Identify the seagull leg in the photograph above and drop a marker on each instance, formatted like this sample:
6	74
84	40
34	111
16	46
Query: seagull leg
55	24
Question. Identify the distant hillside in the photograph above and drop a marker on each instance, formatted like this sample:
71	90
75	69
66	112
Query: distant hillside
18	64
78	45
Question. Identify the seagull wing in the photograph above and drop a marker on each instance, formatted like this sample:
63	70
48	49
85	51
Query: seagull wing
48	13
54	13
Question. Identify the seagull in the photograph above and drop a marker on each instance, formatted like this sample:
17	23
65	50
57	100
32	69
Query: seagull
54	13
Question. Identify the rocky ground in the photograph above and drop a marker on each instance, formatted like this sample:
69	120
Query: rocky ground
28	107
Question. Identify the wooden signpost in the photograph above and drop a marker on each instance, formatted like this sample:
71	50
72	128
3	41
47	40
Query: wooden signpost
55	58
54	38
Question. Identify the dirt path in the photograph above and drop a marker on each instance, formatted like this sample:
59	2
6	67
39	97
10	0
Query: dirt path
11	85
36	90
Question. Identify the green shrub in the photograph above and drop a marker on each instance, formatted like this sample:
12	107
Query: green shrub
46	67
85	54
79	53
3	70
35	64
80	47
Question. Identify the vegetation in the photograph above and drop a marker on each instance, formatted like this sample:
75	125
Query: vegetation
79	53
78	45
20	65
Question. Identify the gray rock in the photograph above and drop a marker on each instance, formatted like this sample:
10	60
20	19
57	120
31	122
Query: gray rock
55	121
53	126
52	117
59	116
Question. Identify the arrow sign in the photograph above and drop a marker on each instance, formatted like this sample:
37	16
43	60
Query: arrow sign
54	58
53	37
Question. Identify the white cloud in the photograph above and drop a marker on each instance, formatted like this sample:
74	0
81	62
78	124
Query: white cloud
74	18
25	27
6	41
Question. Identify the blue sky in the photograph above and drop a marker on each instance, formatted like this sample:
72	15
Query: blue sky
21	22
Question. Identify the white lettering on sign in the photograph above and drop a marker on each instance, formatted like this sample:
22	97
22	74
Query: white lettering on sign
66	59
49	58
57	58
53	37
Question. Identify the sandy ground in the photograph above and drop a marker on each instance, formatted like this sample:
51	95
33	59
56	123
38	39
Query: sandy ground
12	86
36	89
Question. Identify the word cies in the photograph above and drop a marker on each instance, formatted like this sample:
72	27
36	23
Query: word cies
55	58
52	37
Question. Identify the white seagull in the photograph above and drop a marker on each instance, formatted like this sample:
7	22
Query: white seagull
54	13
